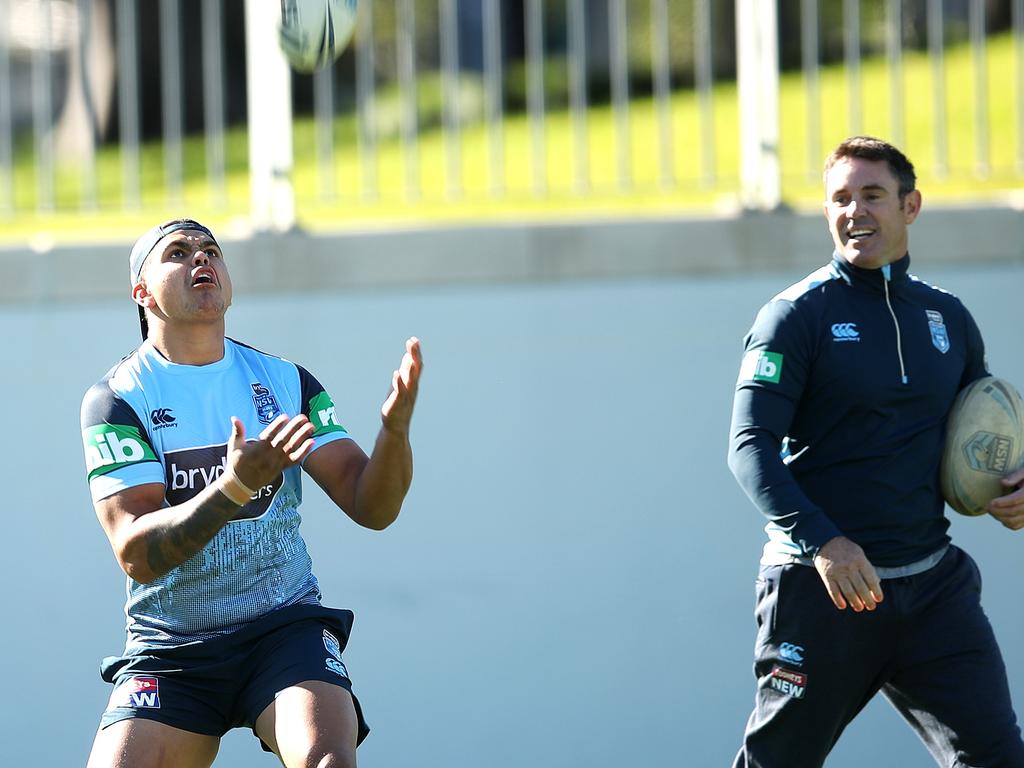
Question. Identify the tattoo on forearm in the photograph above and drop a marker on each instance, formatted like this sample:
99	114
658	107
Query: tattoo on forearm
172	544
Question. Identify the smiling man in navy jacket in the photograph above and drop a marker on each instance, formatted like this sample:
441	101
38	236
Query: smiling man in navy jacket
837	432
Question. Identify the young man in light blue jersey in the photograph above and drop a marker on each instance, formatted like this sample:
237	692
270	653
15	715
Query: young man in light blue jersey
195	445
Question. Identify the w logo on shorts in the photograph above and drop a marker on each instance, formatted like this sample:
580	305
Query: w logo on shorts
137	693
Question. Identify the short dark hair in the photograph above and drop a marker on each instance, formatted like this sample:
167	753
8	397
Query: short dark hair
870	148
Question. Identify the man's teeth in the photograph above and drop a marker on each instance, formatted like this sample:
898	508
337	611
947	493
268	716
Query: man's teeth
860	232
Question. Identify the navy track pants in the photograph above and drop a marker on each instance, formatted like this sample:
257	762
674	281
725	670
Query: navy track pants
928	647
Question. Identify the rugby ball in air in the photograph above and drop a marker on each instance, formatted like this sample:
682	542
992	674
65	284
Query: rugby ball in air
313	33
984	442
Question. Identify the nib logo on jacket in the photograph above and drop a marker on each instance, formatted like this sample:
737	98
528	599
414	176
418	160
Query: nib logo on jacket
761	365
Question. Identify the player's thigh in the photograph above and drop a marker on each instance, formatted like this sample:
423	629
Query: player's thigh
311	721
952	686
141	743
816	668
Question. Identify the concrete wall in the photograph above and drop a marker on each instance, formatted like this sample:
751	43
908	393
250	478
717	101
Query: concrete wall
571	581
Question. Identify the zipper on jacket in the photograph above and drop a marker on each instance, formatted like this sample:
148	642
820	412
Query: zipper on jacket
887	274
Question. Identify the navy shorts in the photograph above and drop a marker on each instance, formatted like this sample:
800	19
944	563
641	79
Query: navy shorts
212	686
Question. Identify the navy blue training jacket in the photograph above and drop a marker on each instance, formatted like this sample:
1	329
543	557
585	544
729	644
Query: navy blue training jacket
840	411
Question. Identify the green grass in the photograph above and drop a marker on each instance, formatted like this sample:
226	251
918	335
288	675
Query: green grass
511	194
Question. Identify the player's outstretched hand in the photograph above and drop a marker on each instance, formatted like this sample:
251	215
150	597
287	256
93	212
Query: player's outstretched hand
1009	509
849	576
396	413
284	443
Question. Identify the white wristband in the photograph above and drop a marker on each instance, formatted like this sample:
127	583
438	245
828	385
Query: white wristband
235	489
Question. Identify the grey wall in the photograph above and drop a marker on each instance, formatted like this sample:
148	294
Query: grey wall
571	580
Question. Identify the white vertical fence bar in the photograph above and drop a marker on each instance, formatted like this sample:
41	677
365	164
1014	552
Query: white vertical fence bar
128	103
576	22
494	93
811	63
269	102
1018	47
703	66
618	24
450	87
213	100
535	93
894	58
661	71
42	108
171	97
88	163
323	108
851	47
936	48
757	69
406	52
366	101
6	114
977	34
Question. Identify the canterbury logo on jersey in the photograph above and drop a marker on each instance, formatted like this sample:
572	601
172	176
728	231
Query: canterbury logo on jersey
845	332
113	446
162	418
321	413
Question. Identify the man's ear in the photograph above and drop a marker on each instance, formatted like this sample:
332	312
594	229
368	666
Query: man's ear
141	295
912	205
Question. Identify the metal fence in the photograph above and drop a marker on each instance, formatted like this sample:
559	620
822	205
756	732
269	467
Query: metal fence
119	105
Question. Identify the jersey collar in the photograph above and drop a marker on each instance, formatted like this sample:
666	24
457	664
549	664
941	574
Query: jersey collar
872	279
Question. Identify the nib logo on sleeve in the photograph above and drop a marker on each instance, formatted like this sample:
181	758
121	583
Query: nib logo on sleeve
321	413
113	446
761	365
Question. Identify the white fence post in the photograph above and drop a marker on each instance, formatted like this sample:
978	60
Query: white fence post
269	87
757	64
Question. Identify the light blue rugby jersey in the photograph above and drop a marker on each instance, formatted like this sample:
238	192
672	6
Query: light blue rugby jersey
152	421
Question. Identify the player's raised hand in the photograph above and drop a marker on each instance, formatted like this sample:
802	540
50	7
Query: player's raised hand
396	413
284	443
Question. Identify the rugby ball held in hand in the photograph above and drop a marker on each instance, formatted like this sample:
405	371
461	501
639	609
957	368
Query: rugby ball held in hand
313	33
984	442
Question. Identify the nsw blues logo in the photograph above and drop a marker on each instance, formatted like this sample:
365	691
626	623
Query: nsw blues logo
137	693
266	404
940	339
